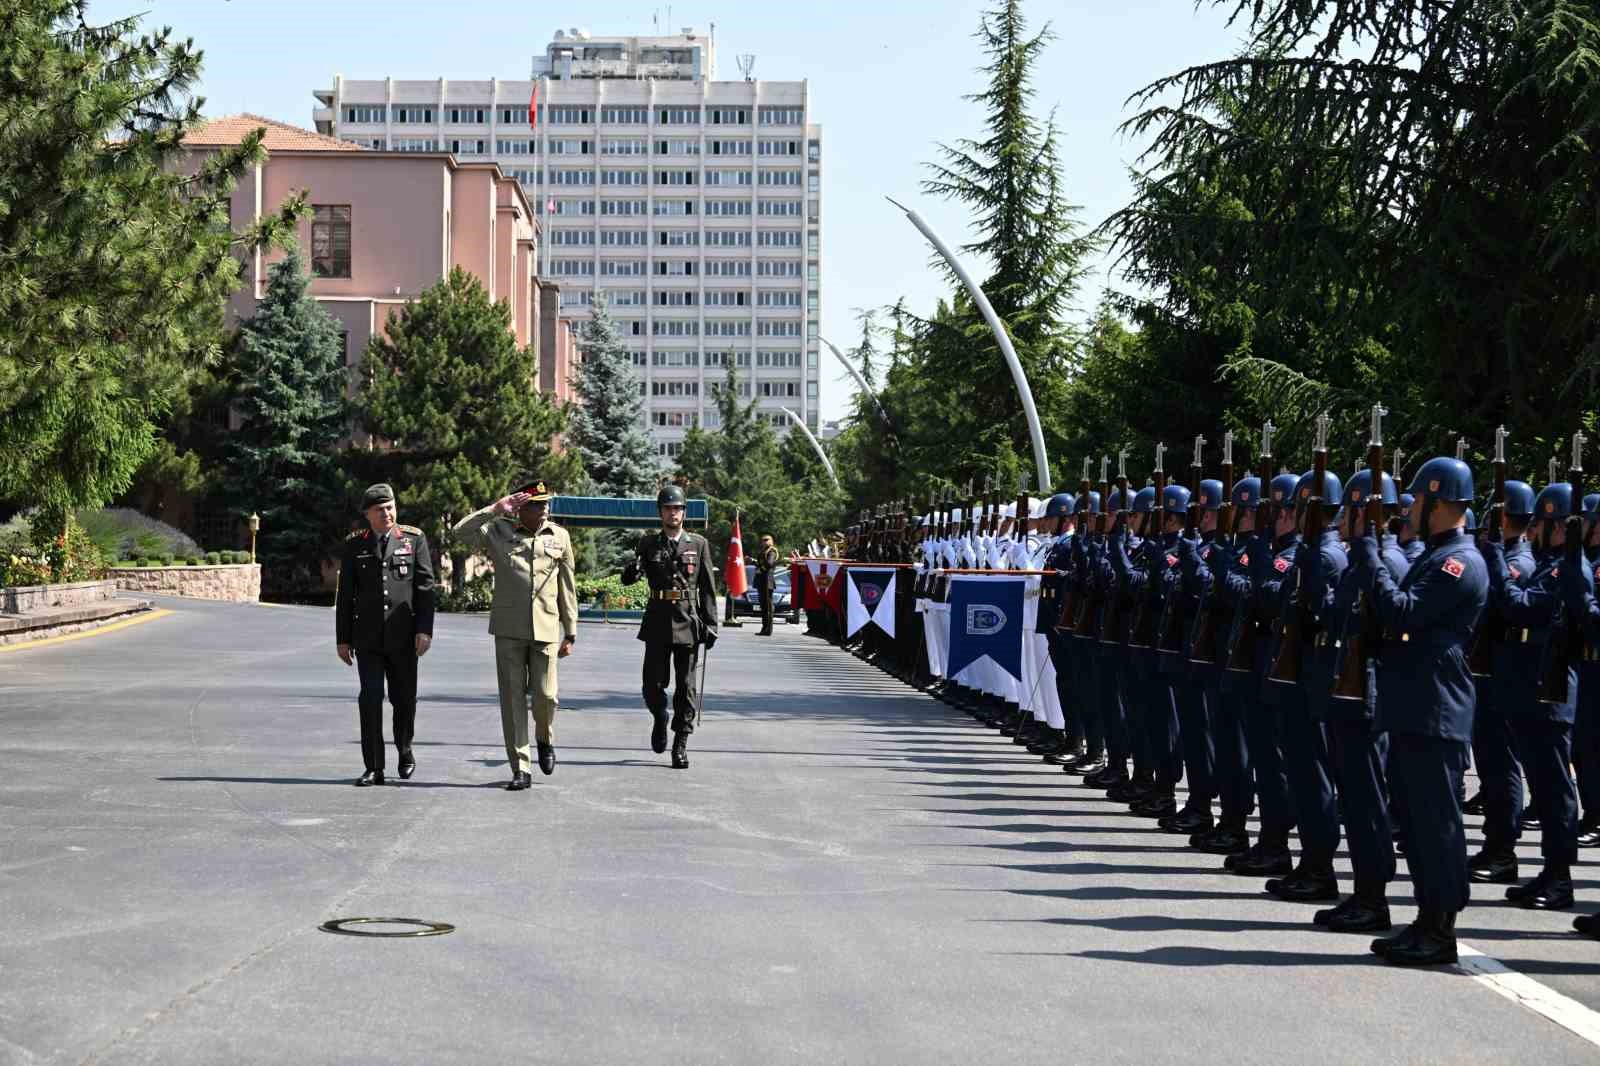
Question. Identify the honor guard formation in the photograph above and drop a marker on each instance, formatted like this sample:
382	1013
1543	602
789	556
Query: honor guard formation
1329	656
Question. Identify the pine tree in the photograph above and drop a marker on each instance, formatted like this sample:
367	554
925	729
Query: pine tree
289	387
115	259
606	429
456	403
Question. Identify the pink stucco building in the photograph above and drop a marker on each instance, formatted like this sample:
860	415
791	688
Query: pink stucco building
386	225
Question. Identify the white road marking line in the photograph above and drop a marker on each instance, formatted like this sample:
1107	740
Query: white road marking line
1524	991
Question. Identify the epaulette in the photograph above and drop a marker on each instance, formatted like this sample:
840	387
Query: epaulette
356	534
409	529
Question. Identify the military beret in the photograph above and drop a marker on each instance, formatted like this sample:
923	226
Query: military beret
534	487
376	494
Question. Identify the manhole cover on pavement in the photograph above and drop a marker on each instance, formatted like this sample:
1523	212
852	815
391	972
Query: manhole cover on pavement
422	928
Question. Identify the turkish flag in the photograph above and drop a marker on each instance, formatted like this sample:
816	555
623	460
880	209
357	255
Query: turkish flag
533	107
733	574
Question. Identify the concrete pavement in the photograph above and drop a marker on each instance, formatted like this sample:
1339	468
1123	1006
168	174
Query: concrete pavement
849	872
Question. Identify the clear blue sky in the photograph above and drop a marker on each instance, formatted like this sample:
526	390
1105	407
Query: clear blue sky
886	83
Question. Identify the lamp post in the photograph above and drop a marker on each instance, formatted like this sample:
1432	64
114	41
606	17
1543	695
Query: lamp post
255	527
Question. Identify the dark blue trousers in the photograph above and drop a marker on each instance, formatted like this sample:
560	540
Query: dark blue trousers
1264	733
1234	786
1194	732
1161	730
1586	741
1068	691
1423	772
1546	749
1088	696
1359	754
1113	711
1310	772
1131	686
1499	775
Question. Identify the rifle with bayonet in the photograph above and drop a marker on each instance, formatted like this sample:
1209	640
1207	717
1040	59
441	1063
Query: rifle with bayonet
1111	620
1247	634
1148	611
1492	625
1359	642
1173	629
1566	642
1069	602
1089	608
1302	618
1209	644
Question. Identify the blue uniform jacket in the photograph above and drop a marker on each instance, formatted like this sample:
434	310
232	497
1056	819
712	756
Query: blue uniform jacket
1252	555
1530	603
1428	618
1345	618
1203	566
1052	588
1318	567
1125	555
1577	587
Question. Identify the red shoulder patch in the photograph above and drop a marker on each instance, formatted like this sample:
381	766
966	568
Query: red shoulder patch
1514	571
1244	560
1281	565
1454	567
1172	560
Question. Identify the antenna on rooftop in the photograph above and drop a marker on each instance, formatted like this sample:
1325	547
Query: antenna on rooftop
747	63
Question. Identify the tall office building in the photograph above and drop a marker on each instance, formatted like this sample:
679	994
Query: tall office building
691	205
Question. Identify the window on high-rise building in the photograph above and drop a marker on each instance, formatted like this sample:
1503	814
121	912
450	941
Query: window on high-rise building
777	268
782	116
678	147
675	297
413	144
813	182
410	114
623	177
777	148
330	240
675	268
622	146
728	116
780	177
676	177
728	147
778	208
677	238
678	116
727	177
466	115
814	151
363	112
572	177
779	298
627	116
457	146
811	244
811	300
811	360
778	238
624	238
727	268
512	146
570	116
622	207
677	208
811	390
514	116
728	238
811	271
623	268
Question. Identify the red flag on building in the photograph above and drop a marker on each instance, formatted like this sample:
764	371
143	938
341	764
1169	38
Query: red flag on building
533	107
733	576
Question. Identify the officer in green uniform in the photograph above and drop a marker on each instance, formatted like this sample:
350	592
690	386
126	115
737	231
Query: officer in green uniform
534	617
384	622
766	563
681	615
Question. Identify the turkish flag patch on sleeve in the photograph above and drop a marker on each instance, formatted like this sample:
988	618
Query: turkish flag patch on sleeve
1172	560
1244	560
1454	566
1281	565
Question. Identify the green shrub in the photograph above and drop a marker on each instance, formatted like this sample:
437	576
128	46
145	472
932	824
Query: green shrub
167	558
618	597
143	561
125	532
213	558
477	596
38	551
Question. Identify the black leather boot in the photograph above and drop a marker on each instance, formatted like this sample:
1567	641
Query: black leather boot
680	751
1434	944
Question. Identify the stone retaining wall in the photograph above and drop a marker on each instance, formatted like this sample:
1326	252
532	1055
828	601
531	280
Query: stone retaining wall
26	599
236	584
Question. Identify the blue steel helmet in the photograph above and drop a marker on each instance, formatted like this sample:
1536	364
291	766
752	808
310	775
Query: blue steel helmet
1060	505
1282	489
1247	492
1145	500
1591	505
1091	503
1406	500
1175	499
1472	521
1359	488
1116	503
1331	492
1519	499
1211	493
1443	478
1554	502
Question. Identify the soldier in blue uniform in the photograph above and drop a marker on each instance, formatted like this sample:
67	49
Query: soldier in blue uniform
1089	548
1425	700
1070	654
1268	559
383	616
1305	740
1109	655
1530	604
1357	750
1129	564
1161	724
1405	530
1500	793
1052	592
1195	687
1053	743
1578	593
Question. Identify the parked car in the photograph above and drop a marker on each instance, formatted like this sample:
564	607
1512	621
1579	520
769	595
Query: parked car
750	602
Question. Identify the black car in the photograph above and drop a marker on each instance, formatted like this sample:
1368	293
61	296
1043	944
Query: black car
750	602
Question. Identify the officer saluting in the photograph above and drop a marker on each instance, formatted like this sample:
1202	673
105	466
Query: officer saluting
384	623
681	614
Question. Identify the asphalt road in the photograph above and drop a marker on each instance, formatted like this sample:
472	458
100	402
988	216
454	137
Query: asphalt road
849	873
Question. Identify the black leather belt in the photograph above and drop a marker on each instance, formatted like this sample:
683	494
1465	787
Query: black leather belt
1591	654
671	595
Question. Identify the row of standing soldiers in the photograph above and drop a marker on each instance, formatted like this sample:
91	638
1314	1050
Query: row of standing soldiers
1330	657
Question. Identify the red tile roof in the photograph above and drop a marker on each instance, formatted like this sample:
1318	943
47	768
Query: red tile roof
231	129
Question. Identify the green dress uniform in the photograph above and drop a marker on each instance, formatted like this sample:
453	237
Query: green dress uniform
385	598
535	608
681	614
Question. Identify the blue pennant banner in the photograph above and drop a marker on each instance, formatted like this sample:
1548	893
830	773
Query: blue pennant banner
986	619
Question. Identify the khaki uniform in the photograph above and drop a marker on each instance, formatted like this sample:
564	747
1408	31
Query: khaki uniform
535	608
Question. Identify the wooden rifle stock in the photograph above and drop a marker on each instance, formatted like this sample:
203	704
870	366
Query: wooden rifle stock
1148	610
1360	641
1210	635
1111	618
1286	667
1492	626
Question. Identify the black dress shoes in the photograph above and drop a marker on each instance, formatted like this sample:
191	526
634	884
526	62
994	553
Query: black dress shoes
1587	924
1190	820
1107	778
1550	891
1357	915
1130	791
1589	835
1473	805
1304	886
1089	764
1405	938
547	759
658	731
680	752
1221	841
371	777
1434	942
1497	866
1264	862
519	781
408	766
